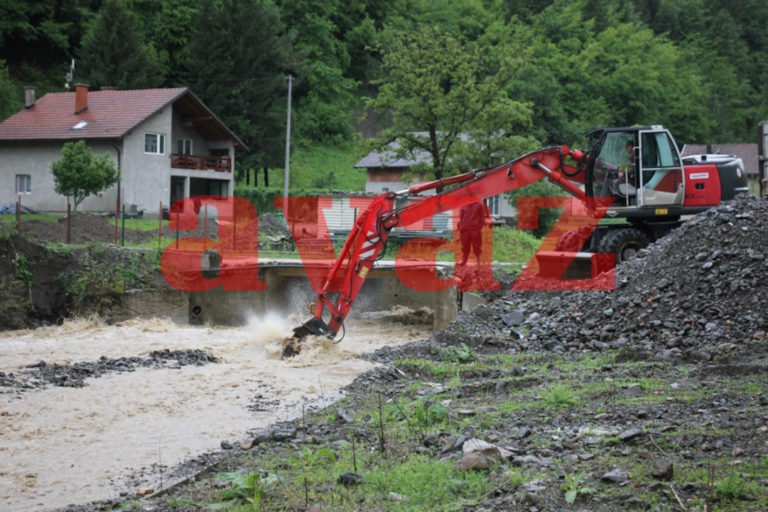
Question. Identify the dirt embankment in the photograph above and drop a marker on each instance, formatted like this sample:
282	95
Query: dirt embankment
41	285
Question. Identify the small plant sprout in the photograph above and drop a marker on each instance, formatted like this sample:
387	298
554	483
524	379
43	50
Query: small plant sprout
245	490
573	487
559	396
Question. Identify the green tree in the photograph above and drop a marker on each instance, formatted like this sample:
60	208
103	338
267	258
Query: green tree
79	174
238	58
440	90
325	92
113	52
167	27
580	77
9	95
37	38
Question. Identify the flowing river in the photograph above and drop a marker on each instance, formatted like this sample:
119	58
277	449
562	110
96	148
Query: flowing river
73	445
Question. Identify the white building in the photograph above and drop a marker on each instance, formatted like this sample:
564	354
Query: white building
388	171
166	143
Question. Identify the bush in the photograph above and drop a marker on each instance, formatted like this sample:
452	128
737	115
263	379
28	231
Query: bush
512	245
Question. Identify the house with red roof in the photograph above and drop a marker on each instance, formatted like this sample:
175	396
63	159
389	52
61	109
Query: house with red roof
165	142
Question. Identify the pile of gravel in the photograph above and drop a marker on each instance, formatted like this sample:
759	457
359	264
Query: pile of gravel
41	374
699	291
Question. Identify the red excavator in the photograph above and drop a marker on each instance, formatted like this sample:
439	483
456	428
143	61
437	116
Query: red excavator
634	174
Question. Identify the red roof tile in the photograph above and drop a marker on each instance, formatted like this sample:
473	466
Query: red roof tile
110	114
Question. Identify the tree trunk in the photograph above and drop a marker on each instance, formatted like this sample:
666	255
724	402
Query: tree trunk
434	151
266	176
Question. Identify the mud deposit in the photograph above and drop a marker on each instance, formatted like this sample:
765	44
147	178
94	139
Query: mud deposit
90	411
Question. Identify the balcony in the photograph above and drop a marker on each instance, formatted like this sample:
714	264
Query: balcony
209	163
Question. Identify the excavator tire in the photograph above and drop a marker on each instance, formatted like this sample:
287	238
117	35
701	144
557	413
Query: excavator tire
624	243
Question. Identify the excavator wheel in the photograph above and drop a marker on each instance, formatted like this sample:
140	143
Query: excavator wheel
624	243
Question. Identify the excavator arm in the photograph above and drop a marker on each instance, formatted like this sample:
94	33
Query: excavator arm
560	164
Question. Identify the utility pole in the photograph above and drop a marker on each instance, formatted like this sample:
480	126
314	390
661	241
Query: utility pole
762	172
287	172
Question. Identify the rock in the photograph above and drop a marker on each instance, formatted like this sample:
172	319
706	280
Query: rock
349	478
478	445
246	444
512	318
344	416
522	433
226	445
453	445
616	476
531	459
283	434
530	498
260	435
478	460
398	497
478	454
630	434
662	469
145	490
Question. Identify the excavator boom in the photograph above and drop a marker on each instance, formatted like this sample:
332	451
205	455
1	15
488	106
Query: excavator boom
560	164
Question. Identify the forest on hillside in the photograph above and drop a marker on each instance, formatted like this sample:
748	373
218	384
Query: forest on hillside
512	73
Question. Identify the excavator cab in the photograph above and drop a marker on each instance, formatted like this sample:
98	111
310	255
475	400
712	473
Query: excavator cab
639	167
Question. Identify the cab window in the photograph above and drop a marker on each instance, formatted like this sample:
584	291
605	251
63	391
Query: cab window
661	163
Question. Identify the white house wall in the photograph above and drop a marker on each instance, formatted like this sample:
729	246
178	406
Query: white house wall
35	159
145	178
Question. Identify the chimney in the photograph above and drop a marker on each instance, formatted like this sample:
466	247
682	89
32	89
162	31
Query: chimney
81	97
29	96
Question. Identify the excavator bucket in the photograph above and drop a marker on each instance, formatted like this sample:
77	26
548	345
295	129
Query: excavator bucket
312	327
567	265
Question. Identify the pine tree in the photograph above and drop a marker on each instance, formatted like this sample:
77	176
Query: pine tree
239	55
113	52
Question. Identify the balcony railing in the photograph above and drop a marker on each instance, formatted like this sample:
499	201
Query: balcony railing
212	163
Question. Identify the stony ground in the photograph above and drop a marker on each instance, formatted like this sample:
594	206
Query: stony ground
649	397
42	374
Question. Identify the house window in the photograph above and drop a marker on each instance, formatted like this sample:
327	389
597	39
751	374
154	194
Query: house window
184	147
23	184
493	205
154	143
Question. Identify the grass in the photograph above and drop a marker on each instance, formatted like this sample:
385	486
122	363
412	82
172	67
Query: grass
321	166
559	396
512	245
421	483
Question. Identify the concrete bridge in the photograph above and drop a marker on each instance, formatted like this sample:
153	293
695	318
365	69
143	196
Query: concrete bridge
288	290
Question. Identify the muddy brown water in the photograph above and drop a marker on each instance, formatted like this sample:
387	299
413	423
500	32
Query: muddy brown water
62	446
